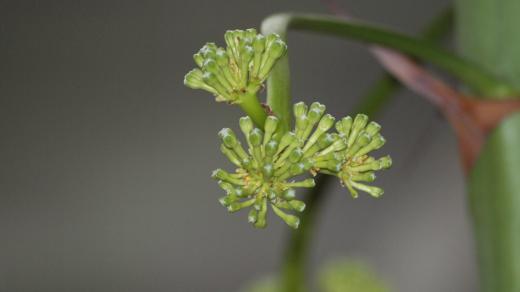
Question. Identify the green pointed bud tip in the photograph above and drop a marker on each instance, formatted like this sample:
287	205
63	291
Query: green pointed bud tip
228	137
385	162
270	124
360	121
326	140
268	169
261	223
300	109
273	36
363	139
199	59
208	50
246	163
298	206
255	137
227	187
217	173
246	124
210	65
240	192
209	77
259	43
277	48
326	122
296	155
291	220
251	32
271	147
289	194
234	207
343	125
247	52
376	192
373	128
316	110
308	183
225	201
193	79
252	216
378	141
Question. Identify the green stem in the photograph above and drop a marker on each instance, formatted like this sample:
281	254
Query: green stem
252	107
471	74
293	273
279	81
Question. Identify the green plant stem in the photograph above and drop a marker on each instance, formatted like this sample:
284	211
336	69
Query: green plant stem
468	72
252	107
293	271
294	259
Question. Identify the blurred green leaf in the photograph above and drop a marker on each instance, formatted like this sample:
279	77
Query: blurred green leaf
349	276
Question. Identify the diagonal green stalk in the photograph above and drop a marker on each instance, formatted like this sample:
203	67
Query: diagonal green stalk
293	273
468	72
252	107
383	88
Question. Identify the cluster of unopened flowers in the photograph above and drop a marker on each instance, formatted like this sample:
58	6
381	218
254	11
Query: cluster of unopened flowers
272	163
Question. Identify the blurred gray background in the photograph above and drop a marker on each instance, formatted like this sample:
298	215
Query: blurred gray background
105	156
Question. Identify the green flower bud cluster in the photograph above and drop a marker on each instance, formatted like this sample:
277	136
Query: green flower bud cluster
238	70
359	137
265	172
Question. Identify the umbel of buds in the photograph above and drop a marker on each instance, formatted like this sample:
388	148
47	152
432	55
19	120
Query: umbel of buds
266	172
238	70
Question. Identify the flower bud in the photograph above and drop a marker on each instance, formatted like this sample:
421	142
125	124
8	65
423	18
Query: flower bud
344	125
268	170
199	59
299	109
246	125
290	220
270	148
296	155
252	216
307	183
289	194
230	154
228	137
271	123
255	137
372	128
372	190
296	205
237	206
385	162
377	142
359	123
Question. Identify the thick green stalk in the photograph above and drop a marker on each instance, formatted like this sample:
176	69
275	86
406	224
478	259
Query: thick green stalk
252	107
471	74
489	33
